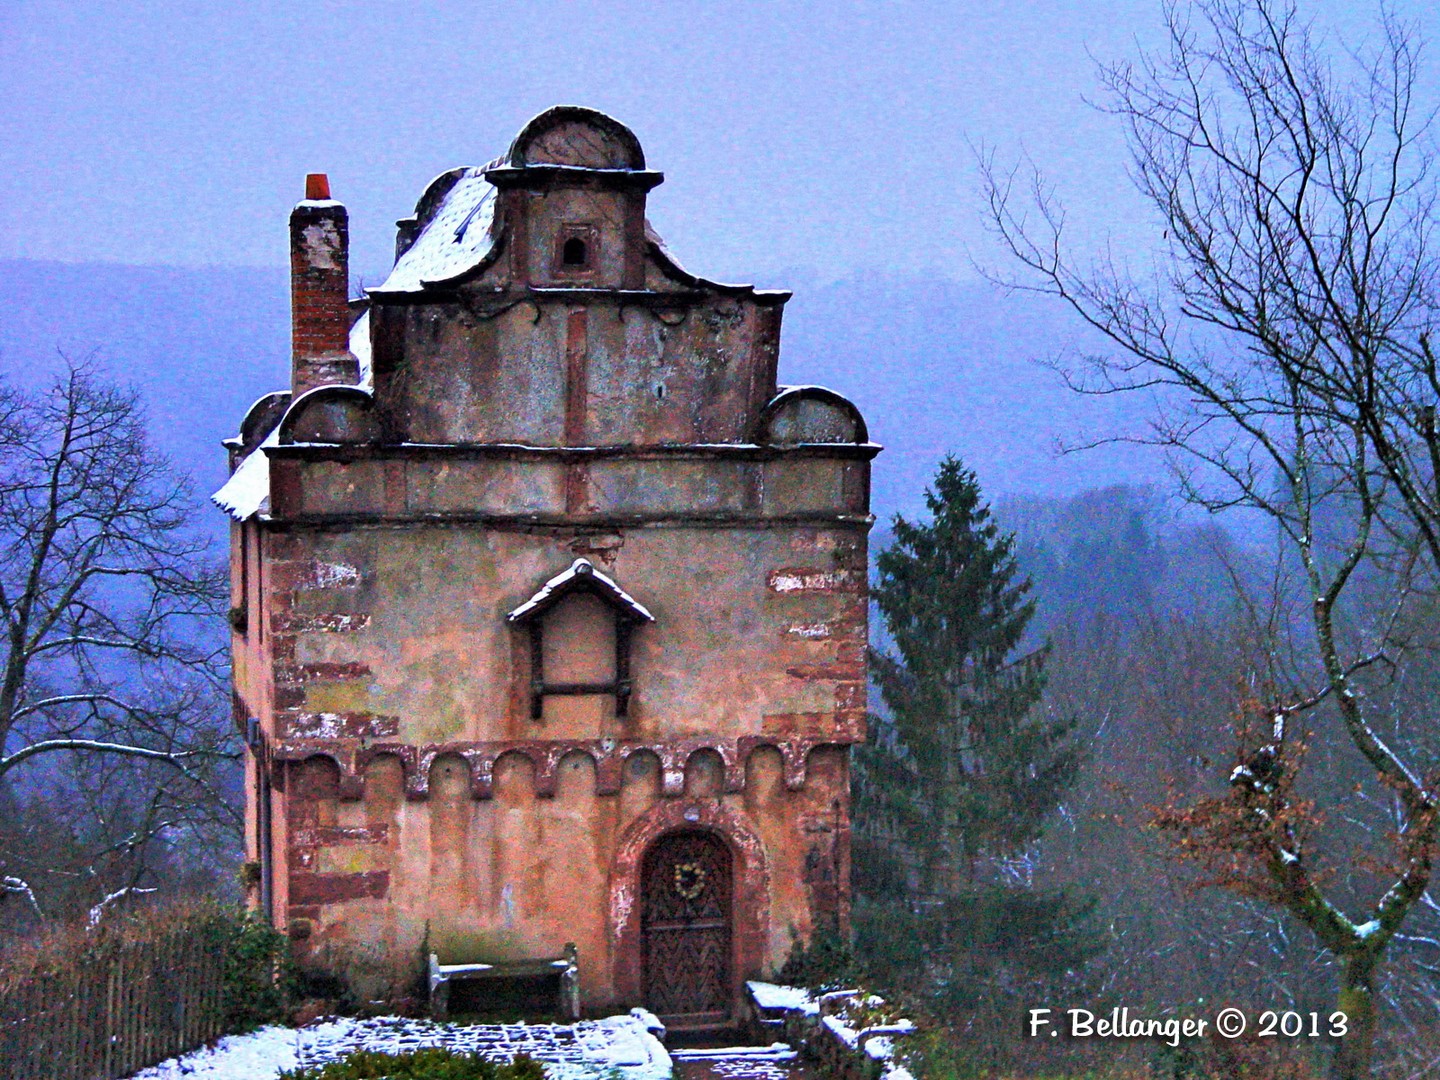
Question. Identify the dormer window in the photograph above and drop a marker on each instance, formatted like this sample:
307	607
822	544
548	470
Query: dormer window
575	250
575	619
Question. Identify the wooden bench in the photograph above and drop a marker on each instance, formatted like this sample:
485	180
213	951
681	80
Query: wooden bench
566	966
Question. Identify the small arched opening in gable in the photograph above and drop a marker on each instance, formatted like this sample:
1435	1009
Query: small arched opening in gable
576	248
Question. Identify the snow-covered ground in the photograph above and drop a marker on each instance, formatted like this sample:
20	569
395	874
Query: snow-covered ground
773	1062
616	1048
775	996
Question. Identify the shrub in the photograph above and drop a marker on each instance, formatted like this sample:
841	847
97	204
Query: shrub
261	983
826	963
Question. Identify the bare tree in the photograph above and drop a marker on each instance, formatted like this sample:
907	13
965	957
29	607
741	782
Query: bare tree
111	689
1286	330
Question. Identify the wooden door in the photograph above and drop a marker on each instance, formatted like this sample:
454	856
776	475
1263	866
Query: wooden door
686	892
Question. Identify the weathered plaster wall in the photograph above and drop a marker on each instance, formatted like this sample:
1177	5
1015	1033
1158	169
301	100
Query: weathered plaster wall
391	633
391	655
688	370
372	883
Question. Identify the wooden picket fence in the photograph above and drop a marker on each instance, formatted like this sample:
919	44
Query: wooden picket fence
102	1004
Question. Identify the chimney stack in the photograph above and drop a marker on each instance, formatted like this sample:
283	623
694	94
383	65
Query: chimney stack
320	291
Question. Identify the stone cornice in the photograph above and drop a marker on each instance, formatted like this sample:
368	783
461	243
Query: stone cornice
347	452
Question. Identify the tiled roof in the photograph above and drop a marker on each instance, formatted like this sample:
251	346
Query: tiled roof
455	240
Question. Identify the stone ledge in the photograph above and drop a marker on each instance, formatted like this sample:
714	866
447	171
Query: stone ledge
820	1028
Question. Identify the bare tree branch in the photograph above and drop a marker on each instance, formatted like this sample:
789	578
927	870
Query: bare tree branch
1287	331
110	641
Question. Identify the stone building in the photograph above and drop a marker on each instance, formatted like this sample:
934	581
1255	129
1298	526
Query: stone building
549	605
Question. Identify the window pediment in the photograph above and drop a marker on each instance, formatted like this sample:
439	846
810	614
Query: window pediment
581	579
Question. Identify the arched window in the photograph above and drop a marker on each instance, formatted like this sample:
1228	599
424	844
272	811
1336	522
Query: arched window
575	252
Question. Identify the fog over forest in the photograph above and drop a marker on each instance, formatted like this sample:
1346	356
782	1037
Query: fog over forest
936	366
1138	599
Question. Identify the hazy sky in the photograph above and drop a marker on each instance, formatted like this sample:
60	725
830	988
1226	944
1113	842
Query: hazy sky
833	137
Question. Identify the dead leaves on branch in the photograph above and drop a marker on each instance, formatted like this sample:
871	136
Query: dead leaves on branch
1234	839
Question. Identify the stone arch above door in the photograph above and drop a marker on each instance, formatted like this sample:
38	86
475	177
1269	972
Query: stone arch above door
750	901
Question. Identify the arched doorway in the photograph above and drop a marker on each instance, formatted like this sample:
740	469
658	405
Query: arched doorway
687	889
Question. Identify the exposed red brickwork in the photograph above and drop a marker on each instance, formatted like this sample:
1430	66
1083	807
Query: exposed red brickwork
842	726
329	835
340	725
576	390
841	669
283	622
292	577
309	785
796	723
848	631
809	579
312	788
319	294
322	889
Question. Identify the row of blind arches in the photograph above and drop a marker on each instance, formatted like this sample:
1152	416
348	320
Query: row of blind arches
701	772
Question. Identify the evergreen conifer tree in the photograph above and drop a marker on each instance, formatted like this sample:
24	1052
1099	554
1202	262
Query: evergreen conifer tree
965	768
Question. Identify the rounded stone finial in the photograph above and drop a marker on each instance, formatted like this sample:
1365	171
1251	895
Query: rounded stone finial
578	137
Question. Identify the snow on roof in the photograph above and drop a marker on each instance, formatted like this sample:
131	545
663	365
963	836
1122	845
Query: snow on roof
560	584
456	239
247	491
360	347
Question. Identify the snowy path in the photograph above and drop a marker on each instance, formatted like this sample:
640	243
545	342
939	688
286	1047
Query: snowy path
617	1048
775	1062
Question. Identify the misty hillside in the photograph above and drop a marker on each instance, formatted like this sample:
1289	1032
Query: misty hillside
937	367
201	345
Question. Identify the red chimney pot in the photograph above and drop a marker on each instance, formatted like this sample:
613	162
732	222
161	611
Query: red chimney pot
319	291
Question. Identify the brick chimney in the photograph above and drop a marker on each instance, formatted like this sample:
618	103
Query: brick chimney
319	291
